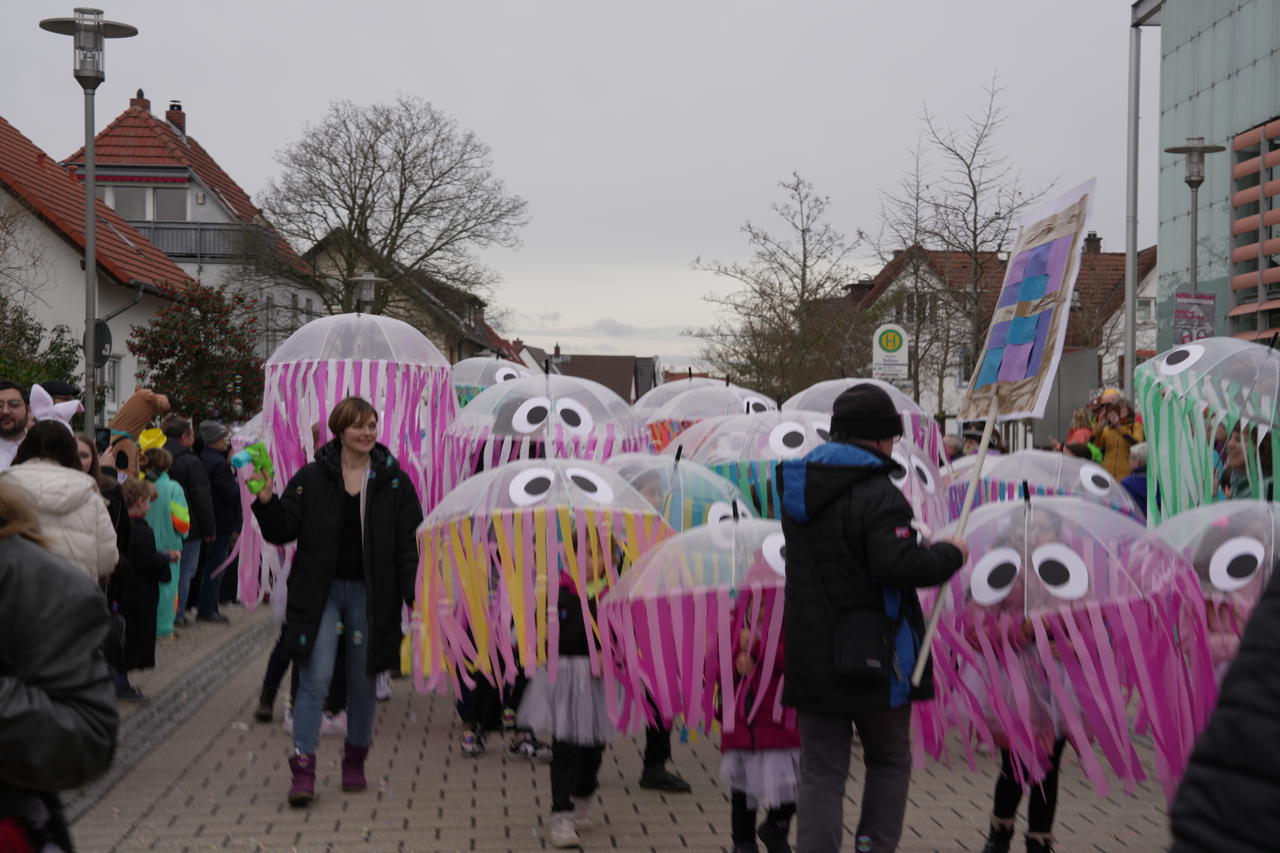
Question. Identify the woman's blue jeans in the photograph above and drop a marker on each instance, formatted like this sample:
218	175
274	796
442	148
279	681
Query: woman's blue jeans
346	606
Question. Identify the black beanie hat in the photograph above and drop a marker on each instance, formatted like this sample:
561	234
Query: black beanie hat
864	412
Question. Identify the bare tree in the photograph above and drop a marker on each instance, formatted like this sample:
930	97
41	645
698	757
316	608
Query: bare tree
397	189
23	272
789	322
974	205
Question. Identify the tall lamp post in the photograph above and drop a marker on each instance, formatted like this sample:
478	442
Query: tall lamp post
88	31
1195	149
366	290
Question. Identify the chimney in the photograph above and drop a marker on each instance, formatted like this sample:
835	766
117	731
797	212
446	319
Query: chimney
140	101
1093	244
517	345
176	117
556	352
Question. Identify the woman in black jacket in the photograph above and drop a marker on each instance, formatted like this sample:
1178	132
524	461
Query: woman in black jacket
354	515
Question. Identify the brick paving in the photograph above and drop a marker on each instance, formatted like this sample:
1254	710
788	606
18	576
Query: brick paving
218	783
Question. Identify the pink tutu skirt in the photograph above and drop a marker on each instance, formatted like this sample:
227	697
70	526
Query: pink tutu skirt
572	709
769	777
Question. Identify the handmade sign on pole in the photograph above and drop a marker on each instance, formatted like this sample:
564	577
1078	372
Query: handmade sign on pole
1024	342
890	355
1014	376
1194	316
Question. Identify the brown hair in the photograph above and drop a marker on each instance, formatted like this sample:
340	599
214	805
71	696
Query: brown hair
51	441
105	482
348	413
156	460
16	516
175	426
136	490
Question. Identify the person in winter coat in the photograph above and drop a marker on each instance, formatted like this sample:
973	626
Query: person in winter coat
1226	800
354	515
1116	432
170	522
188	472
69	507
852	623
225	495
1136	483
109	486
58	715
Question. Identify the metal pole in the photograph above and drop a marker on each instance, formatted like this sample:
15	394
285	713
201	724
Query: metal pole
1195	223
90	271
1131	216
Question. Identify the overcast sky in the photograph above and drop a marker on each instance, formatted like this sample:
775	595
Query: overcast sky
642	135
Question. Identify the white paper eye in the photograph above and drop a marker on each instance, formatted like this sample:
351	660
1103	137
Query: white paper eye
1180	358
1235	563
775	553
1096	480
899	475
923	474
506	374
1062	571
531	415
530	486
720	511
786	438
591	483
992	578
574	416
753	405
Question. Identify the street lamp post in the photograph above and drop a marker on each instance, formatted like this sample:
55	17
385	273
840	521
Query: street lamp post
88	31
366	290
1195	149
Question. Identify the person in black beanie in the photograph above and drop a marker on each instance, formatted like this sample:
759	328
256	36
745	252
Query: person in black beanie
852	622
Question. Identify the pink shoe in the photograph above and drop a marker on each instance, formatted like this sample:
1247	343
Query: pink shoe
303	790
353	767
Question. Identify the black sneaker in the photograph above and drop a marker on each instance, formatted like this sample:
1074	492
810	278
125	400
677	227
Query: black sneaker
129	693
774	836
662	779
213	617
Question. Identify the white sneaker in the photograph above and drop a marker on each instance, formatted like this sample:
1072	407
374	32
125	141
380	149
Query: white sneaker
561	832
287	723
334	724
582	814
382	686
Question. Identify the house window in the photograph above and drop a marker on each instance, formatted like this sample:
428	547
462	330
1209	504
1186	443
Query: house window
171	204
111	382
130	202
1146	310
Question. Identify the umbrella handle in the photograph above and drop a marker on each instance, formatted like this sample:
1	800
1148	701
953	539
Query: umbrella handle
926	643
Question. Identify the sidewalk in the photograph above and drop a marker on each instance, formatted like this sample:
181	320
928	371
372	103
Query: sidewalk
217	782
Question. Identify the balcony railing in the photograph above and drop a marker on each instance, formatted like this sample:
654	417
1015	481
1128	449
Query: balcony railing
211	240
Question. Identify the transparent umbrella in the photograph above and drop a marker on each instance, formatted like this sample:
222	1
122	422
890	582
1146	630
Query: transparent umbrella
343	337
660	394
473	375
686	493
680	412
922	429
1046	473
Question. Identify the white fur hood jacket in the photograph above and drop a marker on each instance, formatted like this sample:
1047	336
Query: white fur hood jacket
72	513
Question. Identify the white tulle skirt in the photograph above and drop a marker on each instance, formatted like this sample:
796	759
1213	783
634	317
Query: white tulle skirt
572	709
769	777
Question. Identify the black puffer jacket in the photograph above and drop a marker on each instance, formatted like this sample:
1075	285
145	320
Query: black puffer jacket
188	471
310	511
849	535
1227	800
58	714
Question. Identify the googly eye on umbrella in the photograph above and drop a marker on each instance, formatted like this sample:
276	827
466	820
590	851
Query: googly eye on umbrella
677	414
659	394
673	624
922	430
923	484
1192	398
1047	473
1071	620
686	493
385	361
540	416
491	558
473	375
746	449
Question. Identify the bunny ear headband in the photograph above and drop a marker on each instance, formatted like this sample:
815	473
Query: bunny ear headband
44	409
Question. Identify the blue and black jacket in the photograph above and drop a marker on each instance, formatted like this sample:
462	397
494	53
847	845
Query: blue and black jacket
844	518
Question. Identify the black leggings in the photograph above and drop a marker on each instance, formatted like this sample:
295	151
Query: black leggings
575	773
744	819
1044	797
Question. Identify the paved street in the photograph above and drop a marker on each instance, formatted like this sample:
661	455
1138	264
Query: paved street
215	780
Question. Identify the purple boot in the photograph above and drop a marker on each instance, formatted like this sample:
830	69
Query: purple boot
353	767
303	790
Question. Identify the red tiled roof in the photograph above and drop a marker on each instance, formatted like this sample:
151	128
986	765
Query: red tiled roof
615	372
138	138
54	195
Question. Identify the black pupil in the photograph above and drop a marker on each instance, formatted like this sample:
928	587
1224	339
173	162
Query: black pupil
1054	573
782	552
1242	566
793	439
1100	481
571	417
824	435
757	407
1002	575
584	484
538	485
922	476
1178	357
537	414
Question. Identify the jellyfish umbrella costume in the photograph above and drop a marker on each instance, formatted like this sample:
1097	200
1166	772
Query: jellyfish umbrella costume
686	494
679	413
540	416
1184	395
669	625
1070	621
1047	473
923	430
746	449
659	394
385	361
473	375
491	555
923	484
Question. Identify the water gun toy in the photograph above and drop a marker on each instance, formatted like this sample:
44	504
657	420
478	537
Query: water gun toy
257	455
